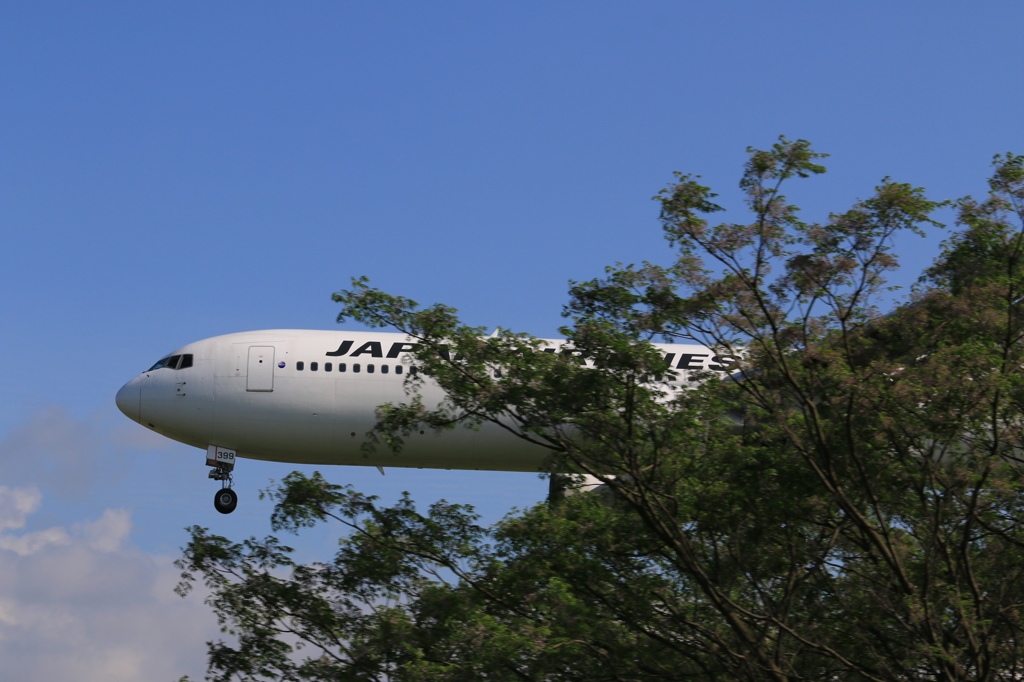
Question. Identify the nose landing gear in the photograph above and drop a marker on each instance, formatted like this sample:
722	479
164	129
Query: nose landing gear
223	462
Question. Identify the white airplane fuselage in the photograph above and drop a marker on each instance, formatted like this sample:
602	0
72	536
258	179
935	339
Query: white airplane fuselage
310	397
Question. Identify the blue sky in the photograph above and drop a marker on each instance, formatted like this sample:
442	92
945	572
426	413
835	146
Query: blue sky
172	172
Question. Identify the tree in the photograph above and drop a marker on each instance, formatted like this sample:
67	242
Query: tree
846	506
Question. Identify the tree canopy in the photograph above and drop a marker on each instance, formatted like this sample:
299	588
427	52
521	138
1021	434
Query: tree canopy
846	505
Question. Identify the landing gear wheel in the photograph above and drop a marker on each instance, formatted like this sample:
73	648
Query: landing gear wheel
225	500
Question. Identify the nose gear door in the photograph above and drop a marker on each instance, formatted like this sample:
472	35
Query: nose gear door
261	369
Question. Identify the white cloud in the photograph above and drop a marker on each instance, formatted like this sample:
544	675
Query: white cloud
17	504
53	448
106	534
30	543
80	602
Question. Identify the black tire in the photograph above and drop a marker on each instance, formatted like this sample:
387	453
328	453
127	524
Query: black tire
225	500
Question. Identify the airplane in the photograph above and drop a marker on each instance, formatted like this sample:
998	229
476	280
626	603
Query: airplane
309	397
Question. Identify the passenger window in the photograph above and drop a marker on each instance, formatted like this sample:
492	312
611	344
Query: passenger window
312	367
327	366
300	365
412	369
383	369
398	369
341	366
355	366
186	361
369	369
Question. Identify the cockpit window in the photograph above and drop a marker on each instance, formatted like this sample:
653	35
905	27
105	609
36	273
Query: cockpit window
165	362
171	362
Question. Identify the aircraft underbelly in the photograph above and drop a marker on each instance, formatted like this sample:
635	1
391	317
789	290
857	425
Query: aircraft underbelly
325	421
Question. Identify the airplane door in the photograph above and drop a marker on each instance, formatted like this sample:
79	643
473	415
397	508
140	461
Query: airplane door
261	369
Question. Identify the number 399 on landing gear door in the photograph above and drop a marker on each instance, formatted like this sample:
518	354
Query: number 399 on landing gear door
221	458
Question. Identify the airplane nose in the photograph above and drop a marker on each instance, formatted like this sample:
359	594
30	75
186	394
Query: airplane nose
128	399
